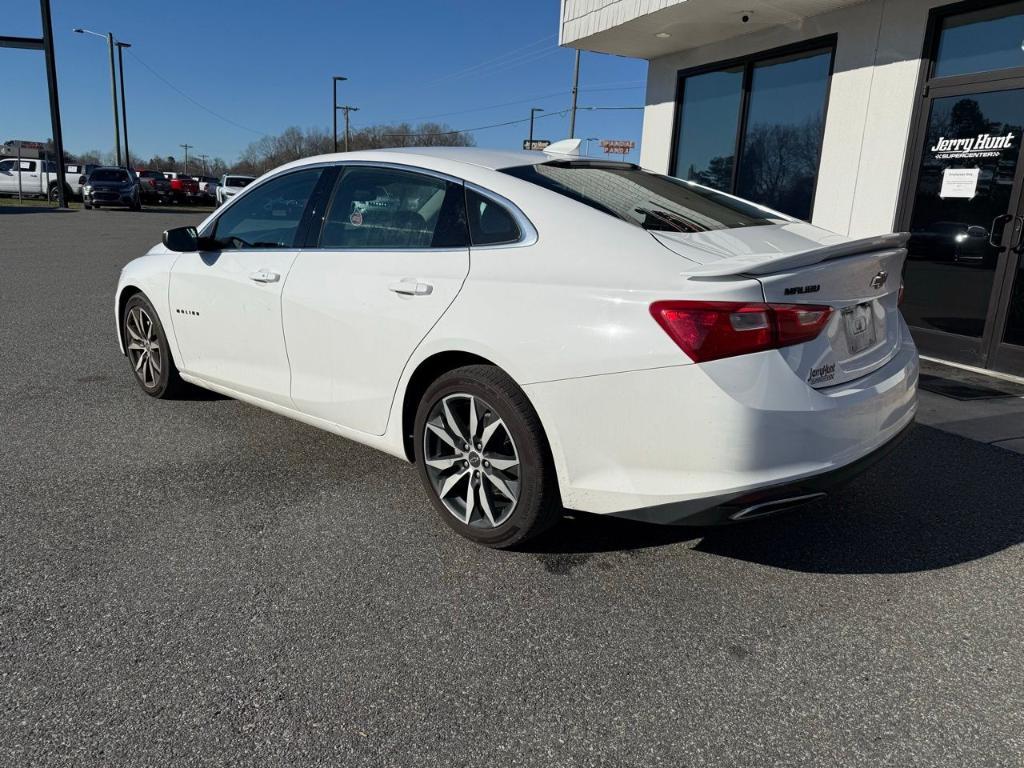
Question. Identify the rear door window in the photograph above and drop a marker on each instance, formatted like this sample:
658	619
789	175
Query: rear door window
393	209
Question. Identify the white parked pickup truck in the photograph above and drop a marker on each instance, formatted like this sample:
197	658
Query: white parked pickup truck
33	178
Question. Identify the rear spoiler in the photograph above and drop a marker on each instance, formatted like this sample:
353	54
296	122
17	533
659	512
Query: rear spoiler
758	265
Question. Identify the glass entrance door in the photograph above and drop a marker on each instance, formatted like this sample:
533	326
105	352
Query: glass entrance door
964	275
964	218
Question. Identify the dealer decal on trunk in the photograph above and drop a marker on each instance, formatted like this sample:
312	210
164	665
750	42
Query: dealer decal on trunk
822	374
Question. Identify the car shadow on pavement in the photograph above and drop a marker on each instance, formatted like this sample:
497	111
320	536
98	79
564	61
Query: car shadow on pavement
936	501
5	209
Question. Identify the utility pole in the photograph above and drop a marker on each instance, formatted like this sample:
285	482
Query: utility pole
203	158
113	88
533	111
124	107
186	147
575	90
346	109
334	106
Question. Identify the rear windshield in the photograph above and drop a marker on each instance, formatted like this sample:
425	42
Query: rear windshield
108	174
648	200
151	175
237	181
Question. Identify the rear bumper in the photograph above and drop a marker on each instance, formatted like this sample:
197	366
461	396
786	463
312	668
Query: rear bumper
698	443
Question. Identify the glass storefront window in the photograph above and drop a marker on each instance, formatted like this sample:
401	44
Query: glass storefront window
707	132
781	101
785	125
981	41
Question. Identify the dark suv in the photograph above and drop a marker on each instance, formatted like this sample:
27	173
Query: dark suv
154	187
112	186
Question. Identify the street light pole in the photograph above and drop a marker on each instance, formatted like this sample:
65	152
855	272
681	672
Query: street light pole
533	111
124	106
113	87
334	106
588	140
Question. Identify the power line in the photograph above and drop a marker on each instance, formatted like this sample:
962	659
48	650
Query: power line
479	128
518	101
488	62
203	107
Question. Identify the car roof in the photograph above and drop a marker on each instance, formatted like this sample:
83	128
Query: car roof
493	159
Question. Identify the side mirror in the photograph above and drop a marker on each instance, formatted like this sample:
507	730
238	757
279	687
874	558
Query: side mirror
976	231
182	239
82	180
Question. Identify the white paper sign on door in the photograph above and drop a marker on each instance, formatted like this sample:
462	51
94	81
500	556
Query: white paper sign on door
959	182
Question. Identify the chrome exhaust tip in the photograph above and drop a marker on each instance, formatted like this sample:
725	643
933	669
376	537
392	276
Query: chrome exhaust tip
766	508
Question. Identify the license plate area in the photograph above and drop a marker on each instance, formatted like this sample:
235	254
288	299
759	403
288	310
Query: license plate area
859	323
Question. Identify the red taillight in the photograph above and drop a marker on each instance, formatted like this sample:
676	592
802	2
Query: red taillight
710	330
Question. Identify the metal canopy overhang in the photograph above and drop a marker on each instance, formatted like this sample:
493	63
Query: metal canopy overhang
632	27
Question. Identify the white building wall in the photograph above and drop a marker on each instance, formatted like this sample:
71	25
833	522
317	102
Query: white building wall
871	104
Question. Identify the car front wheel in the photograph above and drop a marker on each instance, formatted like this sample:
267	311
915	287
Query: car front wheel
148	350
483	458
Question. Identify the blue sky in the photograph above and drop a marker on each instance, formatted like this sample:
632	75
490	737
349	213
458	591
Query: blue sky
265	65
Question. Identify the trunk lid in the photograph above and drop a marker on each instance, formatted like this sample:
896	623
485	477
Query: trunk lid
798	263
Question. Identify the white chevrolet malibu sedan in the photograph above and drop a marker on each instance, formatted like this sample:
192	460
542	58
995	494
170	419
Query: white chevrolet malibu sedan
538	331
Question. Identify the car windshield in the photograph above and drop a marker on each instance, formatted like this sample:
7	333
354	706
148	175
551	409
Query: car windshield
109	174
648	200
237	181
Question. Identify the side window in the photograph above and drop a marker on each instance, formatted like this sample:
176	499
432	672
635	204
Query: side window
387	208
269	216
28	165
489	222
7	166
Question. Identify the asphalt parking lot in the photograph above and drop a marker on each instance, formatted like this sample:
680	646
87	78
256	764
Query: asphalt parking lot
202	583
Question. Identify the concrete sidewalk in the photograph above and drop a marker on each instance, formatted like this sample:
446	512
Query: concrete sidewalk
973	405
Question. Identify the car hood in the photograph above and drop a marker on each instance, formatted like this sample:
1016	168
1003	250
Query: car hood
767	248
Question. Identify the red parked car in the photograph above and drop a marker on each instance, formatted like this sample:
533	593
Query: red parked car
183	188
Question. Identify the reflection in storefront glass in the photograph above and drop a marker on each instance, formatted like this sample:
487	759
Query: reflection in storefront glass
965	184
785	124
707	128
977	42
1015	318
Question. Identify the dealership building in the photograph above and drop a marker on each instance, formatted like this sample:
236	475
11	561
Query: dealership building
862	117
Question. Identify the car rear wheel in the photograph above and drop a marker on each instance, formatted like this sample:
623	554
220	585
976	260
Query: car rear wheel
148	350
483	458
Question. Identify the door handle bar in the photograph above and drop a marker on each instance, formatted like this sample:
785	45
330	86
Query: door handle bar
997	231
265	276
411	288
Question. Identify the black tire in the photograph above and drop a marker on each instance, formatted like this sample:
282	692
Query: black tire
164	383
538	505
87	206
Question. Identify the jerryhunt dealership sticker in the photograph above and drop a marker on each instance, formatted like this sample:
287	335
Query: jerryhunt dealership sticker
982	145
822	374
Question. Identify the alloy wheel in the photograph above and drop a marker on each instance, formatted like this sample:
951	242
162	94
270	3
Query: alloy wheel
144	346
471	460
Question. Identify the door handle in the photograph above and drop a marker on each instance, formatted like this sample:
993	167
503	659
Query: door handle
265	276
1018	228
993	238
411	287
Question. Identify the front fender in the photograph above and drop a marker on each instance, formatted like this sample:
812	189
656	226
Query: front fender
150	275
